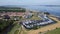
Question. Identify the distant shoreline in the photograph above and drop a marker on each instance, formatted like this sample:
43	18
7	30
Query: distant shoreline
27	9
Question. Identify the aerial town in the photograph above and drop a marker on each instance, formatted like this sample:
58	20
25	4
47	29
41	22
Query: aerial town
27	22
29	16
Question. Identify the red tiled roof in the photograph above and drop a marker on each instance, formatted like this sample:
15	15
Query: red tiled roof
13	13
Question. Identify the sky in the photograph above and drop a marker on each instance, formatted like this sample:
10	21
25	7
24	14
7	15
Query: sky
29	2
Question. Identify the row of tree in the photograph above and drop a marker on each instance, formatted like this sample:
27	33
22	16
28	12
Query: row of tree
5	24
13	10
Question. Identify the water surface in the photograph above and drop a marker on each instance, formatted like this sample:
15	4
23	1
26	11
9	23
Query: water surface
51	9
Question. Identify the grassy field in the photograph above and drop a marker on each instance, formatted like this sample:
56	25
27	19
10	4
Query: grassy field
17	29
35	18
16	32
56	31
14	29
32	18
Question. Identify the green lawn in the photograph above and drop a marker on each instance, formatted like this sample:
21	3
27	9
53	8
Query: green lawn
56	31
14	29
35	18
16	32
17	29
32	18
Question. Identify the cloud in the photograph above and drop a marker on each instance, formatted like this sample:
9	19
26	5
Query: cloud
28	2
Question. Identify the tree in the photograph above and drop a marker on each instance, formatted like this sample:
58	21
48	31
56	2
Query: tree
6	17
47	13
4	24
20	17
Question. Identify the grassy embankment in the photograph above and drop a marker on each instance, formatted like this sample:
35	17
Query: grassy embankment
56	31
